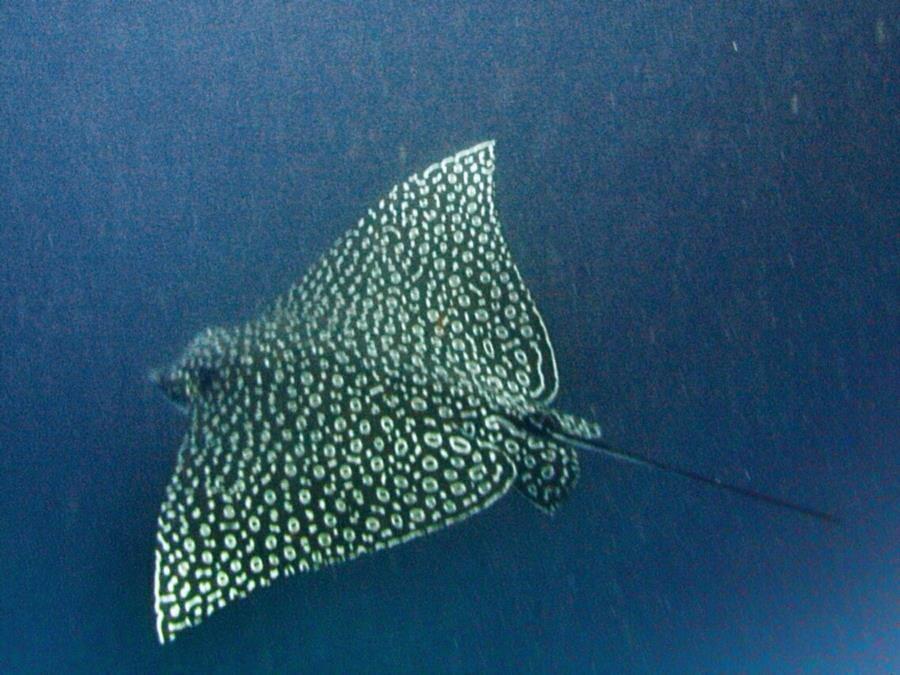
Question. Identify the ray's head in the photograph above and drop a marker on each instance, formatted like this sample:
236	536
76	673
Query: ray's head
193	374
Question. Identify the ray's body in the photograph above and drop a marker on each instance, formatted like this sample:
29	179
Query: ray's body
402	385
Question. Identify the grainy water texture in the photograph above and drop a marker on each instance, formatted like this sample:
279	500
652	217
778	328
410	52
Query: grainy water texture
323	230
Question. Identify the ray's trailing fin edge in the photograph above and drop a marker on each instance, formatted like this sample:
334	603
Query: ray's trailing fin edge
402	385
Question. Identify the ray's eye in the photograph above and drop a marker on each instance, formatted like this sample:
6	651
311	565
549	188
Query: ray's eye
206	376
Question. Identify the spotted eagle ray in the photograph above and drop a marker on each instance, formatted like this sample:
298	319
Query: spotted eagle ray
402	385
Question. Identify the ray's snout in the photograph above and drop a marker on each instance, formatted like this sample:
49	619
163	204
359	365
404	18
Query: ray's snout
171	385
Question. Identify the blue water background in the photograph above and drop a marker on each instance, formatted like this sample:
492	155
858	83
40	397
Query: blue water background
702	196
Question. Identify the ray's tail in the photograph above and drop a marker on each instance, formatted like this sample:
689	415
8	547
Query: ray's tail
548	425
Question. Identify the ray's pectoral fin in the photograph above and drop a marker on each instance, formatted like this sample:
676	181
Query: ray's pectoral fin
268	484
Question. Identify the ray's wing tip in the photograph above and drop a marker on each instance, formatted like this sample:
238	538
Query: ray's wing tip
157	607
165	632
163	638
460	157
478	147
487	144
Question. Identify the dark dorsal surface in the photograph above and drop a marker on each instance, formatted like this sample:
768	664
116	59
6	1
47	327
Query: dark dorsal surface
374	402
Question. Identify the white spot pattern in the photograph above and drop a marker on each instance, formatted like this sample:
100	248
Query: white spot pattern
370	405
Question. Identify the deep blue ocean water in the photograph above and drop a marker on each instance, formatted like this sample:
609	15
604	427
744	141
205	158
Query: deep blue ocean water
703	199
